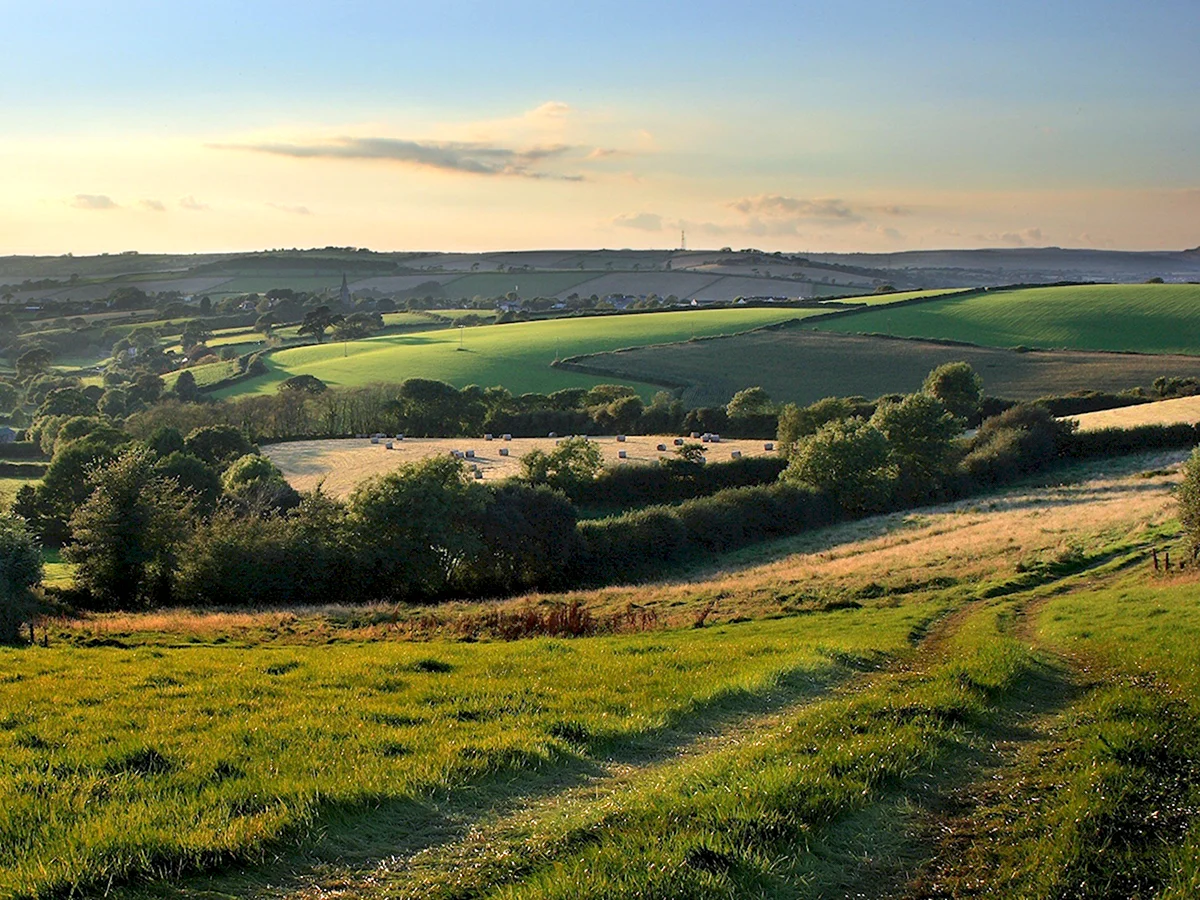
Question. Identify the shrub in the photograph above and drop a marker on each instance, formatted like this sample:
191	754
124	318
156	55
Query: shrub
20	570
958	387
1187	497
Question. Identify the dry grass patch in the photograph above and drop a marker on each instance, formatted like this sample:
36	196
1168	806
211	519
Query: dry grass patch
1180	411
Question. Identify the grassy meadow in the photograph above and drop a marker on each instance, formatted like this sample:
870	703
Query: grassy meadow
517	355
800	365
839	725
1145	318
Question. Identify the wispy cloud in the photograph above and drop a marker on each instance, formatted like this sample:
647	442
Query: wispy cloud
1028	237
776	206
294	210
451	156
94	201
641	221
191	203
153	205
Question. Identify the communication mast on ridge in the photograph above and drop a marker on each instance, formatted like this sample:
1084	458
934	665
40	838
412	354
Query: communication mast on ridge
682	239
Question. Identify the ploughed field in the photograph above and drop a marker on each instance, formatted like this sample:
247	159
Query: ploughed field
339	465
516	355
997	697
1145	318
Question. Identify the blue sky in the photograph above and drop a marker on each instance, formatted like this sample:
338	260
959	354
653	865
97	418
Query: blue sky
857	125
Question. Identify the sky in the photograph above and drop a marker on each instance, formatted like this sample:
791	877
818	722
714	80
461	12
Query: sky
862	125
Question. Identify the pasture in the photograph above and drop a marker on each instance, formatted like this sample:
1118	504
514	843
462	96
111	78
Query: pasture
799	365
339	465
517	356
904	707
1143	318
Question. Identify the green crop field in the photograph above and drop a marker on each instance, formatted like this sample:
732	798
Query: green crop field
993	698
206	374
799	365
1146	318
517	355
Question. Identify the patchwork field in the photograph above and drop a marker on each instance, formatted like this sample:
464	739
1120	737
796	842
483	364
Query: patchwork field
1145	318
517	355
902	710
800	365
339	465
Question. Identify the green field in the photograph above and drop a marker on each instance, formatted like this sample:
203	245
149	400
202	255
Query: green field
899	296
1146	318
517	355
799	365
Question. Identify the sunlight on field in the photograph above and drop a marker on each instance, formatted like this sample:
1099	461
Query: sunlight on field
339	465
1182	410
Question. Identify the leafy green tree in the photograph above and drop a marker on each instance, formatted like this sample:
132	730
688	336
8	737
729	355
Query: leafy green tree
573	462
20	570
752	401
847	459
128	531
195	478
195	332
256	485
265	324
185	387
412	528
33	362
303	384
218	445
165	440
958	387
318	321
529	540
796	422
920	432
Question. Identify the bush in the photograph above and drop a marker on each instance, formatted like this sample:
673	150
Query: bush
1187	496
20	570
850	461
218	445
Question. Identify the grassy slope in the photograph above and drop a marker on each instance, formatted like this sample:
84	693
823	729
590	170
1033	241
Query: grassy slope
799	365
517	356
1148	318
899	296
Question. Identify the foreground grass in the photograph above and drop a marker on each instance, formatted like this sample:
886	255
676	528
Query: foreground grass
149	762
1154	318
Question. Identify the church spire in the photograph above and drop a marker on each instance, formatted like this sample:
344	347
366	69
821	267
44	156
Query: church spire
344	296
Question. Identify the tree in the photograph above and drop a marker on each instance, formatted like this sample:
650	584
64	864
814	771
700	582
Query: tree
218	445
265	324
255	484
412	527
958	387
753	401
920	432
128	531
195	332
196	479
573	462
33	362
318	321
20	570
848	460
303	384
67	401
185	387
1187	497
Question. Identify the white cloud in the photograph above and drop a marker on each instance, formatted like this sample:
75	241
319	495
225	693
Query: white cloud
191	203
641	221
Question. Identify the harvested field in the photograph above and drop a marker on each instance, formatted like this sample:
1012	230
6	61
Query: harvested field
1164	412
795	364
342	464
